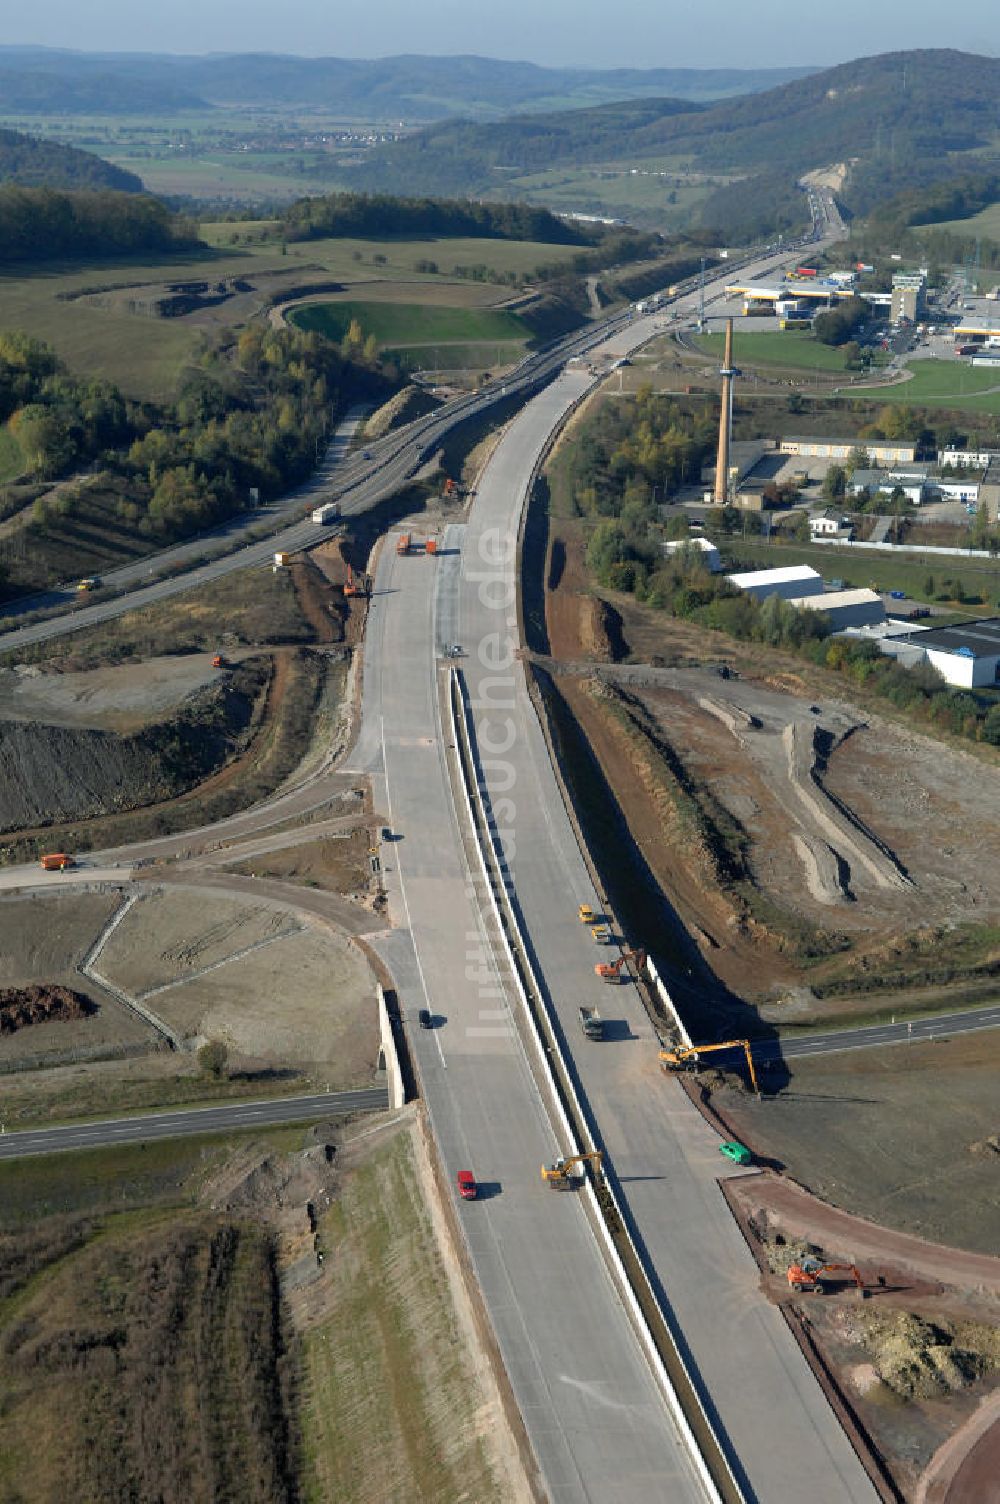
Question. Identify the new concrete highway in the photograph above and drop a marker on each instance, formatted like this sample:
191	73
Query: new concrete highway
771	1414
594	1415
185	1122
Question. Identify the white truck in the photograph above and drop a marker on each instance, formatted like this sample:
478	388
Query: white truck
327	512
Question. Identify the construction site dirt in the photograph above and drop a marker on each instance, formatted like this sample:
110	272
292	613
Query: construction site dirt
825	859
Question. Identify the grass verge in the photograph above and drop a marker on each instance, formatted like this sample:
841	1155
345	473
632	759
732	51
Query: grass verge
389	1401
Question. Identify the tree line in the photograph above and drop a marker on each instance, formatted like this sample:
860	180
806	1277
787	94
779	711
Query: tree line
379	215
47	224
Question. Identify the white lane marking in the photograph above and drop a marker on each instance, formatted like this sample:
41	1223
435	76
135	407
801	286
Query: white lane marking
402	891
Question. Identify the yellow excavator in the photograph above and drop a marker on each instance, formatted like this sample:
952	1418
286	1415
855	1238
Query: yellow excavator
560	1175
677	1059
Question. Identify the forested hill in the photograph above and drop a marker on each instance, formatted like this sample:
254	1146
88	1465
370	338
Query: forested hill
414	88
903	115
34	163
461	157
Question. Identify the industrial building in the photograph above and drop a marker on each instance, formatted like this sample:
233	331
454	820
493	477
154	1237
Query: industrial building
839	449
844	608
917	485
793	582
966	655
878	482
907	300
708	550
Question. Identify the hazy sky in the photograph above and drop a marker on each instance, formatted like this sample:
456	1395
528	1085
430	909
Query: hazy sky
598	33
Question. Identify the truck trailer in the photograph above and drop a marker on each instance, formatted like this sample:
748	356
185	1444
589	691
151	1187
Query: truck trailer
328	512
592	1023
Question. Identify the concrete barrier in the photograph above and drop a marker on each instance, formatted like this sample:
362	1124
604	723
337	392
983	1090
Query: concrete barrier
388	1055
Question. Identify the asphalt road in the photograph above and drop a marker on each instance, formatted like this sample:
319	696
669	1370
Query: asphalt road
772	1417
868	1036
183	1123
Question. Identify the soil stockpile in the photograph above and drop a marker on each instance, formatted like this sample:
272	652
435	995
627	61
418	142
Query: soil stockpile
49	774
20	1007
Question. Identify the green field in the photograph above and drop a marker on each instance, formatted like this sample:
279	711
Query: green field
881	571
410	323
145	356
455	355
794	349
942	383
986	222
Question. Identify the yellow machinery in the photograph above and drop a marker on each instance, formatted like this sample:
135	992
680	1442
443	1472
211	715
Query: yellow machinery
612	971
560	1175
585	914
677	1059
600	934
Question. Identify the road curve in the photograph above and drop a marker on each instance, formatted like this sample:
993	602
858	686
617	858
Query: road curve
185	1122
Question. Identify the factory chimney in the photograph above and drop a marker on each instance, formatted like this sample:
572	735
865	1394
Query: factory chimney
727	373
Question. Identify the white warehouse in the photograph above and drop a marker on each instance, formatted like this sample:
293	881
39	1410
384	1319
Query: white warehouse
845	608
966	655
792	582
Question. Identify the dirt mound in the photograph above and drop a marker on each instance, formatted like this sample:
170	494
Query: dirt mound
919	1359
412	402
20	1007
51	773
601	631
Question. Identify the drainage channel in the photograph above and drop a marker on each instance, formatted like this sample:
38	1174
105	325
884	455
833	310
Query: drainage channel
685	1396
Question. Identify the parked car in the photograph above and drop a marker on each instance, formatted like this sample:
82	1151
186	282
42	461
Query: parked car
739	1153
425	1018
466	1185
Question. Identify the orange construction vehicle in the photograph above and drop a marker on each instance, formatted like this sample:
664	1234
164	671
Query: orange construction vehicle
687	1058
356	585
56	861
809	1276
403	543
218	661
611	971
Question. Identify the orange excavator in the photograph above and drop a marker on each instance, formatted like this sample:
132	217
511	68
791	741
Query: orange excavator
681	1058
809	1276
611	971
357	585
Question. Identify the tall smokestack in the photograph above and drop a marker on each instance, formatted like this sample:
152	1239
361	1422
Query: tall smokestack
725	421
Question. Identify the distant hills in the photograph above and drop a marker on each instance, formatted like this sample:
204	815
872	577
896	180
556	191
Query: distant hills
45	80
33	163
900	118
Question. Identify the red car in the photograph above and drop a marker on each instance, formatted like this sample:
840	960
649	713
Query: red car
466	1185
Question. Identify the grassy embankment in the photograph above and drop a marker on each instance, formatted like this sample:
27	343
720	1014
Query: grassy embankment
388	1389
